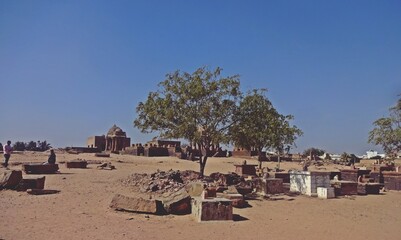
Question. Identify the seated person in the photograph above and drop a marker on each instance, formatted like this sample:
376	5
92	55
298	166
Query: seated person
52	157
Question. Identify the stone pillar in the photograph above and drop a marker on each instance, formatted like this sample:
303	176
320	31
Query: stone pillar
107	144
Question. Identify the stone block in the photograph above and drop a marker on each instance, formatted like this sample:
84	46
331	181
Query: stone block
368	188
38	168
283	175
272	186
212	209
177	202
342	188
325	193
76	164
392	180
31	183
237	199
136	204
10	178
195	189
245	169
307	182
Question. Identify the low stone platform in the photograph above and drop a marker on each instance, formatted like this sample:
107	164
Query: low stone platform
342	188
31	183
245	169
271	186
369	188
39	168
237	199
325	193
76	164
212	209
392	180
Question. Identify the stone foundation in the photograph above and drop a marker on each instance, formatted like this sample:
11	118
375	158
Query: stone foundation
212	209
325	193
308	182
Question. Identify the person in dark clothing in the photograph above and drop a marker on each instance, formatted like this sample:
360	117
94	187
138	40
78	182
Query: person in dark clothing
52	157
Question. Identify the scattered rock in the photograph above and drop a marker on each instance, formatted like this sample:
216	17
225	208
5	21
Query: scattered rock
10	178
136	204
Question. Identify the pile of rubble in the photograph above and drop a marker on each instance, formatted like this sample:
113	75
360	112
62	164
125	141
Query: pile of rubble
161	181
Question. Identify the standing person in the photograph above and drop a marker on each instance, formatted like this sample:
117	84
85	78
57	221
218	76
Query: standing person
52	157
7	149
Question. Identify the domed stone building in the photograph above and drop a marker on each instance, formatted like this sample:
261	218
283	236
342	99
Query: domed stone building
114	141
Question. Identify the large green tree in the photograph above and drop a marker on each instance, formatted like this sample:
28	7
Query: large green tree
259	126
196	106
387	131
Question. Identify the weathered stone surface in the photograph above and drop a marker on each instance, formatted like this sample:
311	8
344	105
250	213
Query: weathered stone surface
195	189
10	178
272	186
325	193
307	182
37	168
237	199
135	204
245	169
213	209
76	164
392	180
177	202
31	183
369	188
345	188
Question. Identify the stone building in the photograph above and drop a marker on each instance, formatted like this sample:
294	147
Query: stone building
114	141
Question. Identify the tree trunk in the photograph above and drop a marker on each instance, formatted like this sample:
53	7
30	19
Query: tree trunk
260	158
202	164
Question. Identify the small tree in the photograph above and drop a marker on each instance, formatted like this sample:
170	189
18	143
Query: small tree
387	131
313	152
259	126
19	146
198	107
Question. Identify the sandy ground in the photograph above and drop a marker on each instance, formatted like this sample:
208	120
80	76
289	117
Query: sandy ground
81	210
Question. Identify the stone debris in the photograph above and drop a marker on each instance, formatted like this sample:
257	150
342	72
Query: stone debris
10	178
79	163
136	204
176	202
161	181
106	166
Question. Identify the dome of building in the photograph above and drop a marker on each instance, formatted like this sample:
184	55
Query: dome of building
116	131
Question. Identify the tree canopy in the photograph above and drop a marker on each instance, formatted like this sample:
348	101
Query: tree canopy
196	106
259	126
387	131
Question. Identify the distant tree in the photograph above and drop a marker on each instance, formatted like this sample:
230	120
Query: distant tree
1	147
259	126
313	152
30	146
19	146
43	146
196	106
387	131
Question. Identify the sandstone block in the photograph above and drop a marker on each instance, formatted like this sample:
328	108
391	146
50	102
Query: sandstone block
135	204
213	209
10	178
195	189
177	202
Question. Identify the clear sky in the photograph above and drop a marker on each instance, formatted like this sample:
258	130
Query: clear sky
72	69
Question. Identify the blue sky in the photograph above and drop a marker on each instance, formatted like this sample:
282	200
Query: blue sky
72	69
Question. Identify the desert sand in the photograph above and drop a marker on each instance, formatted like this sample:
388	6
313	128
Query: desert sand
81	209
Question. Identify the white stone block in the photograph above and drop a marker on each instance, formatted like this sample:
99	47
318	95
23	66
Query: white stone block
325	193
